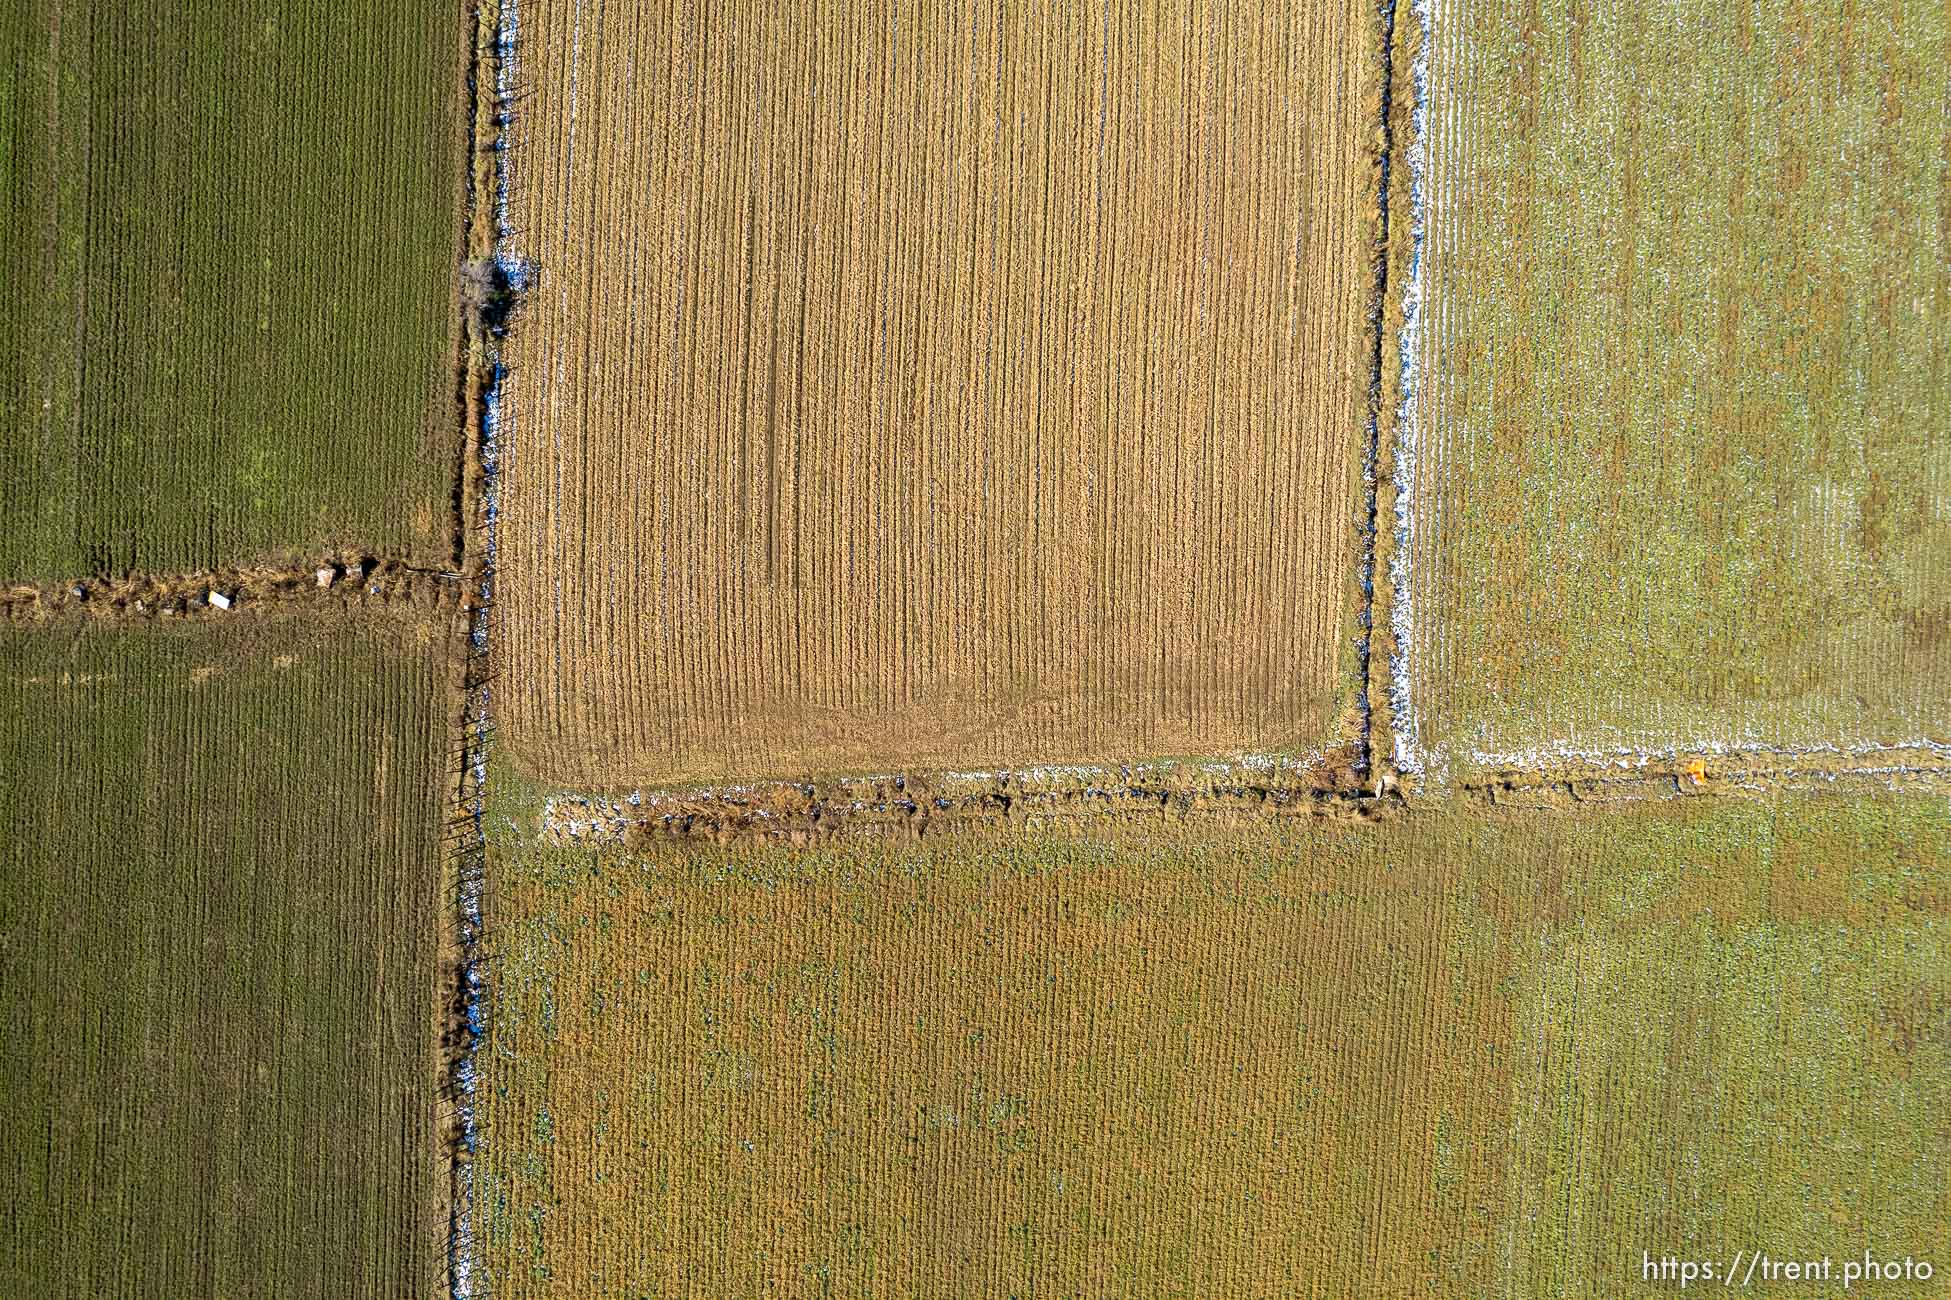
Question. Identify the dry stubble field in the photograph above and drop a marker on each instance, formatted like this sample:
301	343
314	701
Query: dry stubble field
1683	379
905	390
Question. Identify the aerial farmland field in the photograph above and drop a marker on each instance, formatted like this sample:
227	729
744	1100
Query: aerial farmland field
900	391
219	893
1187	649
1467	1052
228	253
1674	440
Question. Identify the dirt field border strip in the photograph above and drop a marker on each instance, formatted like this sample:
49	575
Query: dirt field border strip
458	991
804	813
226	592
495	284
1533	790
1385	13
1402	624
913	805
464	989
1710	763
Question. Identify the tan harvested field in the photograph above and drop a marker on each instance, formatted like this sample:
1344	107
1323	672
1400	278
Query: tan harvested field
901	389
1465	1053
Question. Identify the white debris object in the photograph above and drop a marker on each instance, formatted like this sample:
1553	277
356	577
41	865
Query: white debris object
325	577
220	600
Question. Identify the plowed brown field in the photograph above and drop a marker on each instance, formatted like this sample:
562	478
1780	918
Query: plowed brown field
902	390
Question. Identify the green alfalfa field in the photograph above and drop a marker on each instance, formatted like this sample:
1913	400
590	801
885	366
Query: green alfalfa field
228	252
220	908
1674	284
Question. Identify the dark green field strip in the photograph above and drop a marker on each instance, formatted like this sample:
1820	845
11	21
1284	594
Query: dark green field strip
227	254
218	894
1683	473
1463	1052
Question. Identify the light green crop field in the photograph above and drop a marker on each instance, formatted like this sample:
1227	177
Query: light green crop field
228	251
1679	474
1463	1053
219	883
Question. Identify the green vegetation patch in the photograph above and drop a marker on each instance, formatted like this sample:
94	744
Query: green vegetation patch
1684	376
219	857
1461	1053
228	258
1678	1084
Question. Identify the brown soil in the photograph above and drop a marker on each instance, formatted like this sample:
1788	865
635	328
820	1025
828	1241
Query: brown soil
895	394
